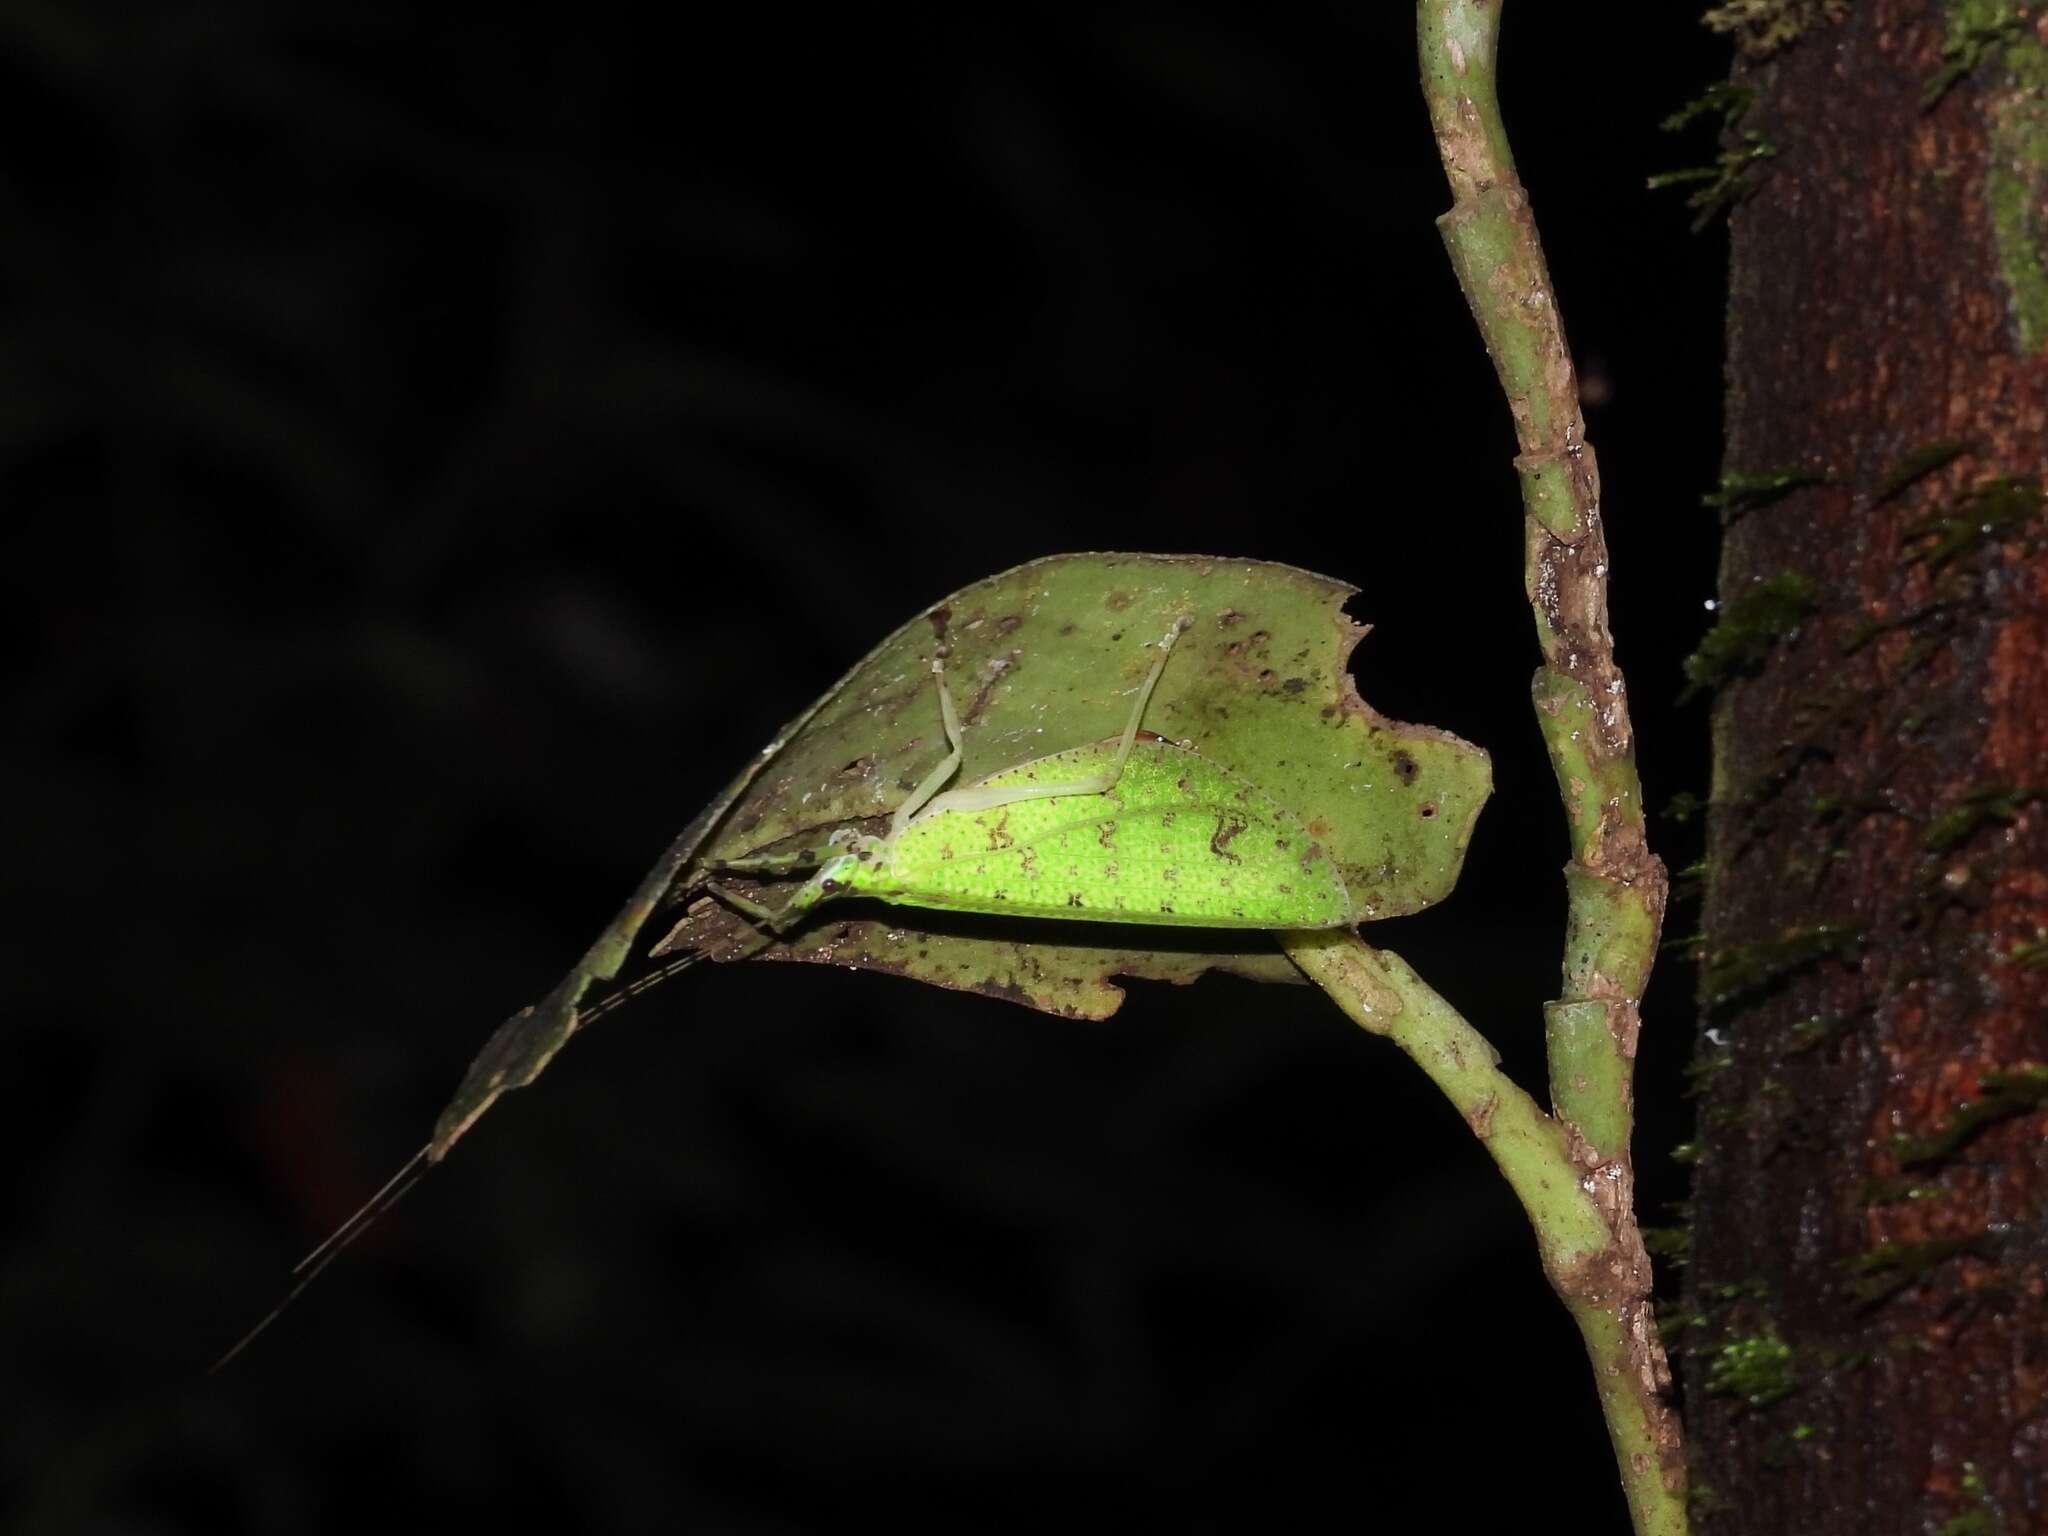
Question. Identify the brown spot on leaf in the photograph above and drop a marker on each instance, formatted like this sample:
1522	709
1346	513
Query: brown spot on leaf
1405	768
1228	827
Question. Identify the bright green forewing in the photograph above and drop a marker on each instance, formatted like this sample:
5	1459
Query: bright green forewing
1178	841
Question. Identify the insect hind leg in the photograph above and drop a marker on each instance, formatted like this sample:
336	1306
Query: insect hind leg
982	797
934	781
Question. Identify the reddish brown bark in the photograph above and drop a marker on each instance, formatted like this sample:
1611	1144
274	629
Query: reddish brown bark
1878	865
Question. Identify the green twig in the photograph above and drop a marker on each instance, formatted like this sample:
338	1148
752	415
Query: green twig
1584	1231
1573	1170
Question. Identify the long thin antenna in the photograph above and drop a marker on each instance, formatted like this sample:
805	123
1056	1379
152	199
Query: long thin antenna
395	1188
621	996
308	1269
392	1192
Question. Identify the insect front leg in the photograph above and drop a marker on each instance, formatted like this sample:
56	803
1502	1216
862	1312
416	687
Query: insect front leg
765	863
832	879
772	864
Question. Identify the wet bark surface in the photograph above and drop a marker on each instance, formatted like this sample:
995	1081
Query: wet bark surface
1866	1338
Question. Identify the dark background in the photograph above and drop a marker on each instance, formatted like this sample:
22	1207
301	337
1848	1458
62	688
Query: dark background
436	454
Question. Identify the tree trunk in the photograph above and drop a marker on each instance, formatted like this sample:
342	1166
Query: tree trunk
1866	1329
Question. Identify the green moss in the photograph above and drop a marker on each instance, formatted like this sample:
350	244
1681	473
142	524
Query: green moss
1738	494
1993	42
1911	619
1730	177
1727	1118
1683	807
1992	511
1893	1191
2019	229
1821	719
1923	650
1853	806
1916	466
1977	30
1708	1061
1684	946
2004	1094
2030	954
1889	1268
1671	1244
1981	1521
1739	1290
1810	1032
1764	27
1976	809
1673	1319
1742	969
1835	817
1759	1369
1724	99
1750	626
1703	1501
1688	883
1781	1451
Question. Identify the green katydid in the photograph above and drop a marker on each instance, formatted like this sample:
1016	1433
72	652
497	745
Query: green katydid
1134	828
1122	830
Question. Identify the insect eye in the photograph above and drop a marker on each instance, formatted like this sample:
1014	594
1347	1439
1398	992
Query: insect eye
828	885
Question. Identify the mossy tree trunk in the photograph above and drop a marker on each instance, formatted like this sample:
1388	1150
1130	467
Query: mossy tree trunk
1866	1340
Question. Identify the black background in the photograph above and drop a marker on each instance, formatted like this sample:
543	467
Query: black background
436	454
